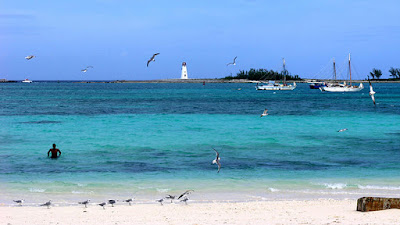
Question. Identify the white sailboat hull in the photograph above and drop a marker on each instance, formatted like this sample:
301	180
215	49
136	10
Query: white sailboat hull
342	88
276	87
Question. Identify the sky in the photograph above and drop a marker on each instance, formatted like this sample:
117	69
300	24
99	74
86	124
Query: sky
117	37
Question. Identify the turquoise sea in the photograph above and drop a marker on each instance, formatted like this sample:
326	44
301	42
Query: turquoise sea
148	140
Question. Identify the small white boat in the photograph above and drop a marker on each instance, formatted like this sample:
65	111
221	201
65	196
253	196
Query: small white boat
26	81
344	87
272	86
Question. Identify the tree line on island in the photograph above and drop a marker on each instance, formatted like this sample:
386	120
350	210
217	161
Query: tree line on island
394	73
262	74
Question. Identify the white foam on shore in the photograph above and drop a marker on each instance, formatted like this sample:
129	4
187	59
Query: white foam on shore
374	187
334	185
37	190
161	190
273	189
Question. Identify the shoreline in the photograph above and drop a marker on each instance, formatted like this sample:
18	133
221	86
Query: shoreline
322	211
195	81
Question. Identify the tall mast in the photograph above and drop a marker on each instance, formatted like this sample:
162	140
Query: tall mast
334	68
349	68
284	71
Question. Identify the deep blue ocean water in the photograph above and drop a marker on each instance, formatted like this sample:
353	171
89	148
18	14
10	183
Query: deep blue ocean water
148	140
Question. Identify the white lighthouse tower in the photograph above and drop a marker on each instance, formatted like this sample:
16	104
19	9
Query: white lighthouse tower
184	71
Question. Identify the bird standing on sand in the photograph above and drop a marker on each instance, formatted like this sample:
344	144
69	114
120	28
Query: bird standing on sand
129	201
186	193
185	199
341	130
232	63
29	57
85	203
152	59
171	197
102	205
112	202
19	201
264	113
160	201
47	204
371	91
216	160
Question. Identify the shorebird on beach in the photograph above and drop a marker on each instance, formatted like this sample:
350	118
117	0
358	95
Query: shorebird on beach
185	199
19	201
264	113
341	130
47	204
170	197
186	193
102	205
216	160
85	203
371	92
112	202
232	63
152	59
129	201
29	57
160	201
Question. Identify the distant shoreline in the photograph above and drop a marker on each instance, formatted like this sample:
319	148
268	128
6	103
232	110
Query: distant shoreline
195	81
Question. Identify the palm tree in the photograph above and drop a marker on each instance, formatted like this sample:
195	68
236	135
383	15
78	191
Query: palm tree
398	73
393	72
372	75
376	73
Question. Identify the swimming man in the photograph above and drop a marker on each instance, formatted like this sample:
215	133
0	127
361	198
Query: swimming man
54	152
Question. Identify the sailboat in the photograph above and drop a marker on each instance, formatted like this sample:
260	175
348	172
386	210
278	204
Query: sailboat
272	86
344	87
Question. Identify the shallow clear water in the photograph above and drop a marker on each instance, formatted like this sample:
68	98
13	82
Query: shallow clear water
148	140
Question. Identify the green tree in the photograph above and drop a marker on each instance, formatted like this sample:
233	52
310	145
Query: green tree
376	73
393	72
398	73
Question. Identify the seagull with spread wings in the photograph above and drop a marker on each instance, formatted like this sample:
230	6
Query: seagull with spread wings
232	63
371	91
216	160
152	58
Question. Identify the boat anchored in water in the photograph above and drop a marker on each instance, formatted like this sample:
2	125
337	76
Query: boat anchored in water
342	87
272	86
26	81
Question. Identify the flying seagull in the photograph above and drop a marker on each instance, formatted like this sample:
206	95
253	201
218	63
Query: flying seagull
152	59
129	201
85	203
185	199
232	63
19	201
216	160
371	91
85	70
102	205
47	204
341	130
185	194
30	57
264	113
112	202
171	197
160	201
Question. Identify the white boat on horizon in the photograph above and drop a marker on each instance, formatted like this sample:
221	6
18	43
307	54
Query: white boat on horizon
342	87
26	81
272	86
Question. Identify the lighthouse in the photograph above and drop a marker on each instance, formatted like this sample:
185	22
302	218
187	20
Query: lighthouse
184	71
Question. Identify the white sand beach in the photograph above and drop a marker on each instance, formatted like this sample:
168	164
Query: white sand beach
324	211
